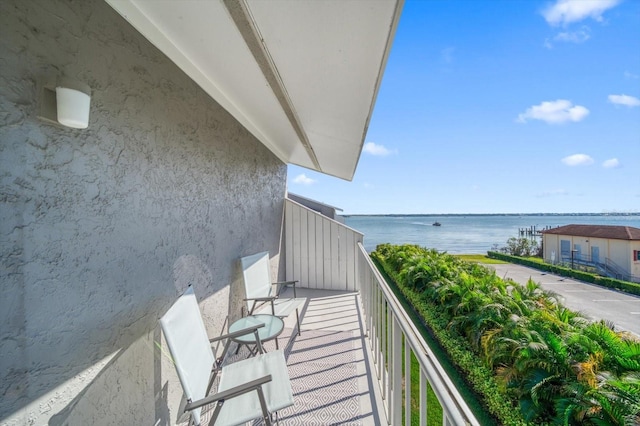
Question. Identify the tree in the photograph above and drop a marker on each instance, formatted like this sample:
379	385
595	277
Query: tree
520	247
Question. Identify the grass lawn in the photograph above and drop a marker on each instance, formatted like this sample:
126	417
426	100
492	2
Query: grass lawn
434	409
478	258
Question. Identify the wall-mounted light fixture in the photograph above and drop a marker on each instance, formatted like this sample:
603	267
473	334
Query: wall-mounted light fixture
73	107
68	104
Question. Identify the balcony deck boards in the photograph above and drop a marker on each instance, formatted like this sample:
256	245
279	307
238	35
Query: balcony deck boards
329	370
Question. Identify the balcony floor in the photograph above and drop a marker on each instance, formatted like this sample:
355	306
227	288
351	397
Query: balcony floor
330	372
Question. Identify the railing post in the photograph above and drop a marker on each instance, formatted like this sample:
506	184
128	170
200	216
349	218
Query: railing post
407	381
423	398
378	333
396	371
384	353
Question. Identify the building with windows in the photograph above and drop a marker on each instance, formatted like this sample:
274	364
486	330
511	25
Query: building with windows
612	250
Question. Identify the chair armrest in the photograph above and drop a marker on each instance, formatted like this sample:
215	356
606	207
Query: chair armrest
284	284
242	332
261	299
229	393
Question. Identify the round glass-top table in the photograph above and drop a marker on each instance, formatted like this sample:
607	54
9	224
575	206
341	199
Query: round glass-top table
273	326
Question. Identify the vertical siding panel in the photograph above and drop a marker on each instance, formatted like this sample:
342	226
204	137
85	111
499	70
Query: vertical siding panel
319	252
311	250
342	258
288	247
335	253
351	262
304	249
296	244
326	247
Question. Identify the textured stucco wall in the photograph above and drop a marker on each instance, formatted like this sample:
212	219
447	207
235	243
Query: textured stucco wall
100	229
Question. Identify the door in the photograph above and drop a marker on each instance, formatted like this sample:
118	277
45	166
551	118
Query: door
595	254
565	249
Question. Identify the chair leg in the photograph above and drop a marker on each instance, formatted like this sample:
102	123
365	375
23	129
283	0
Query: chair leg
216	411
265	413
298	321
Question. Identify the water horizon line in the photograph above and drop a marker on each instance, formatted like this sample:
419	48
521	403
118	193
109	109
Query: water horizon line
487	214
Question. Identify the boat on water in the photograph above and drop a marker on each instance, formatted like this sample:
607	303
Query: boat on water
437	224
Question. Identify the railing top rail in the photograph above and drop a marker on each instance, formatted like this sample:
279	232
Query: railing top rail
446	391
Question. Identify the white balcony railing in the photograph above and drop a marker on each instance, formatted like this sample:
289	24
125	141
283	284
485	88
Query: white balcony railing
325	254
388	328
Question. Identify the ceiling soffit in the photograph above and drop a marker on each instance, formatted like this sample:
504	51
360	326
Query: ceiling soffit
302	76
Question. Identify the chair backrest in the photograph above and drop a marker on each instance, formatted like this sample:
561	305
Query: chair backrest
256	273
189	345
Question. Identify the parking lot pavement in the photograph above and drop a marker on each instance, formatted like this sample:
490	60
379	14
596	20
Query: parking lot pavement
593	301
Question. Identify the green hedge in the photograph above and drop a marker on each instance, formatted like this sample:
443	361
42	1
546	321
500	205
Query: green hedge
474	381
625	286
523	355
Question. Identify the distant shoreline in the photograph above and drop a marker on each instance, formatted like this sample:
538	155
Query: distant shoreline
489	214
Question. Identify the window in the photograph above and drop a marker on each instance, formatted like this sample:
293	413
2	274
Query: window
636	255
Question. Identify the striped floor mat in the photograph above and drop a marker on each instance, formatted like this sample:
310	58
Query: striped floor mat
324	380
323	376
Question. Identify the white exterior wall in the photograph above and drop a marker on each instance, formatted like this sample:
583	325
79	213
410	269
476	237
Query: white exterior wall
602	244
551	247
619	251
101	229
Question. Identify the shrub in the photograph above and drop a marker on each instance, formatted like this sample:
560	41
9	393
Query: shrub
516	345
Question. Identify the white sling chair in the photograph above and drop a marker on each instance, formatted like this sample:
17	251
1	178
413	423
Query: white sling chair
248	389
259	289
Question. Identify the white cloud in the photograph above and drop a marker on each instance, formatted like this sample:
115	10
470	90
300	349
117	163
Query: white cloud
304	180
554	112
375	149
568	11
626	100
578	160
631	76
612	163
574	37
577	37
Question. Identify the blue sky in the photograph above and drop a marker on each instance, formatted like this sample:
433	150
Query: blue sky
501	106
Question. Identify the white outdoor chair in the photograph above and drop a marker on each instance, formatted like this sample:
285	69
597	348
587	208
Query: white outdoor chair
249	389
261	299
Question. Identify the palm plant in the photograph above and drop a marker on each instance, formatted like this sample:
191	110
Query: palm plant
561	368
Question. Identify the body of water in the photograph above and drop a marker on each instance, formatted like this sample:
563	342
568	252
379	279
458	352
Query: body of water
467	233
